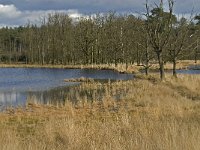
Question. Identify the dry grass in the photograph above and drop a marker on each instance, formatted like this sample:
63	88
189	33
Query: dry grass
151	115
120	67
81	79
182	64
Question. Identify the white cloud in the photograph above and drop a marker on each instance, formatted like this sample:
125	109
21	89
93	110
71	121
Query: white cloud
11	16
73	13
9	11
19	13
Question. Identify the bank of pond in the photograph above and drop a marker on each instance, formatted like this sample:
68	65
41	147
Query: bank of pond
46	86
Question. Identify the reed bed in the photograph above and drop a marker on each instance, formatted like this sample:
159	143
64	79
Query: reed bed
122	68
150	115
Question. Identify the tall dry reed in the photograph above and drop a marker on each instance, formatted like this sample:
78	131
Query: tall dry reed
150	115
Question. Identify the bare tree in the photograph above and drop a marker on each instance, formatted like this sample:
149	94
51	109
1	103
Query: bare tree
159	26
179	41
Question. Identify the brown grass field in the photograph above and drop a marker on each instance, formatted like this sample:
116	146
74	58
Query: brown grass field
151	115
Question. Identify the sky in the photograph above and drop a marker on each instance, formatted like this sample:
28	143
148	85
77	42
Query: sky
20	12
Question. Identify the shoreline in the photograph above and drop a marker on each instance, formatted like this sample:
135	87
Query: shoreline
121	68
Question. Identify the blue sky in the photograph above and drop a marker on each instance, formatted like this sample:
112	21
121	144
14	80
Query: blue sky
18	12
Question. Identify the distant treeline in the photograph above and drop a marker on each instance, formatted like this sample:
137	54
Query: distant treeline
99	39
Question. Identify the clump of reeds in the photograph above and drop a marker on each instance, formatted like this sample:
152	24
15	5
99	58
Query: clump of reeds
122	68
81	79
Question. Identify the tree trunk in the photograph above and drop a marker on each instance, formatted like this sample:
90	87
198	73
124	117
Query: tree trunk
174	68
147	70
147	59
138	55
161	66
10	53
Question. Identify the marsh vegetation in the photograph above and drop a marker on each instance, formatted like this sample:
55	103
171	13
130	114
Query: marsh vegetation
151	111
151	115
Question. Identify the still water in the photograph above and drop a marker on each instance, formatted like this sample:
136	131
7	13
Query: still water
194	69
44	85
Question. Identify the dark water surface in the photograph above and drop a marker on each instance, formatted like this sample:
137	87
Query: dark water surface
44	85
191	70
194	69
188	71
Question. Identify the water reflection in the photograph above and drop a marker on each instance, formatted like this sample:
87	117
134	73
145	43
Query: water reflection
55	96
58	96
193	69
19	85
12	98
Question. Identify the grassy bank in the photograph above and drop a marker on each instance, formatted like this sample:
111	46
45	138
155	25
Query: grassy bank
151	115
182	64
122	68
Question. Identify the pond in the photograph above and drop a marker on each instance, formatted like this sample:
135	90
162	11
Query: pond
188	71
194	69
44	85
